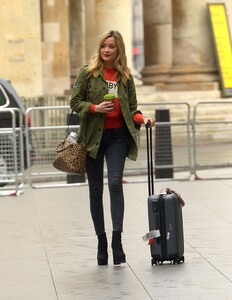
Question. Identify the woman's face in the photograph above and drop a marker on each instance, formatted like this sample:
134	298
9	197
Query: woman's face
109	52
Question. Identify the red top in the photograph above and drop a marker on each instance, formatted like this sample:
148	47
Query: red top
114	119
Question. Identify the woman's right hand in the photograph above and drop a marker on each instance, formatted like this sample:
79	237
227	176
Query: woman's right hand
104	107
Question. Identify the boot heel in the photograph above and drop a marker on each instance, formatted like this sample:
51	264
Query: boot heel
119	257
102	261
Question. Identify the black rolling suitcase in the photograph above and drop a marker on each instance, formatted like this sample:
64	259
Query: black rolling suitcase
165	218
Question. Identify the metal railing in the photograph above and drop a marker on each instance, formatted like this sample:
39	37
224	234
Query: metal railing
11	150
212	140
198	145
180	140
45	136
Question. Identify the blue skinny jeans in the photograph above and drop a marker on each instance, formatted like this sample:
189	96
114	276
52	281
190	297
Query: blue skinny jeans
113	149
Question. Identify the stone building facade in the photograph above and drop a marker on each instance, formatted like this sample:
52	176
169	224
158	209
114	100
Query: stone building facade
44	42
21	47
179	52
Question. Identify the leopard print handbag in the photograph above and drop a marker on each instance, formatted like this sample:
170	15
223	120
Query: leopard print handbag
70	157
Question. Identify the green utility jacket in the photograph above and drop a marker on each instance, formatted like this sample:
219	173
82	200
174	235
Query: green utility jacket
92	90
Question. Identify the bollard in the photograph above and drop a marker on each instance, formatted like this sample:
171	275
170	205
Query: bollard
163	145
74	178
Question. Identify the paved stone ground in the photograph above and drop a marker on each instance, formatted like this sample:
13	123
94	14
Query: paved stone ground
48	246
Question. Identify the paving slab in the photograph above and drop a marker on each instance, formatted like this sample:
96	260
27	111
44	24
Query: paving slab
48	248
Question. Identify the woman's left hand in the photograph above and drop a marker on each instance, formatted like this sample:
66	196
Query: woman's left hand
148	119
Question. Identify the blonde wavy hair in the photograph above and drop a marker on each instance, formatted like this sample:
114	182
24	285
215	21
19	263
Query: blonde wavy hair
120	63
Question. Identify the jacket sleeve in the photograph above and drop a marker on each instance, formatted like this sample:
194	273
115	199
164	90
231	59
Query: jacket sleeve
132	97
79	99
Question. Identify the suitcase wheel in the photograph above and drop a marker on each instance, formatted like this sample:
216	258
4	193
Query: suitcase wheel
178	260
154	262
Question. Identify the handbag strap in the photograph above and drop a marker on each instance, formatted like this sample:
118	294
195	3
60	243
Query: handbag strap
70	118
69	122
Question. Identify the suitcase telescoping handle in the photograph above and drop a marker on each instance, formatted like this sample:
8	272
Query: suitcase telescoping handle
149	159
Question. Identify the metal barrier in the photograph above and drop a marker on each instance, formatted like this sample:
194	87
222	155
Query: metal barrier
11	151
180	139
212	143
206	145
44	101
45	136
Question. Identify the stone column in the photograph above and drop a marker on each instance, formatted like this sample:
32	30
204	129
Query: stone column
82	33
76	36
86	29
179	53
157	40
194	63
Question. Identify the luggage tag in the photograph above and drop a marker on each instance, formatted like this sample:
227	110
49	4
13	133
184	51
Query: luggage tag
150	236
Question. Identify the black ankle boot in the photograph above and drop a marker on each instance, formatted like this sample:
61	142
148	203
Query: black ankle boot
118	253
102	254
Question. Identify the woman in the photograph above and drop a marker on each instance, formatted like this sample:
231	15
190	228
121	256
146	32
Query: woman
108	130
